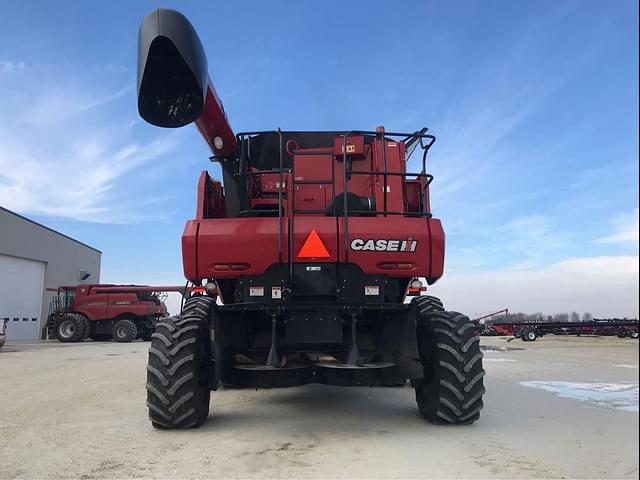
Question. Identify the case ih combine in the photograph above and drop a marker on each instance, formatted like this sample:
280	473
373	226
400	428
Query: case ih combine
312	246
104	312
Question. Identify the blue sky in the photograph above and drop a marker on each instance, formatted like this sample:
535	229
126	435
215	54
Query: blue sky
535	106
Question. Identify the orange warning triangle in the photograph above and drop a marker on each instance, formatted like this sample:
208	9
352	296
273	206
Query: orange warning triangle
313	247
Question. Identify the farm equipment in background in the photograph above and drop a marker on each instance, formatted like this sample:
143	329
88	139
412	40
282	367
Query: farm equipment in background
312	245
530	331
484	330
104	311
3	331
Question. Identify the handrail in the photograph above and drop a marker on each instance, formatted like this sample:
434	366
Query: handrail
345	210
426	142
280	207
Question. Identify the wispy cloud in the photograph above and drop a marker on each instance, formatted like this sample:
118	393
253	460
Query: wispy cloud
78	183
625	230
521	243
588	178
70	151
60	104
8	67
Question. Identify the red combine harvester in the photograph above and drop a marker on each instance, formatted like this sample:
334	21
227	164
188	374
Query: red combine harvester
104	312
312	246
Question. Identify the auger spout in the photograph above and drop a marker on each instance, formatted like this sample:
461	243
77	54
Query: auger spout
174	88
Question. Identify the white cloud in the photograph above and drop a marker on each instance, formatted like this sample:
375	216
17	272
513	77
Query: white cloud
589	177
67	150
58	105
8	67
625	230
523	242
604	286
78	182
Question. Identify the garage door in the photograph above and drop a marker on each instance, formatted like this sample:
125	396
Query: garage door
21	288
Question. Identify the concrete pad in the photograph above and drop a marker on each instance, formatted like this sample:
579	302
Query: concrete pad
78	411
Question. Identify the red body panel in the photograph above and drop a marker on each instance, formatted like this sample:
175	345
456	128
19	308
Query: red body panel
253	242
214	123
210	201
425	261
325	227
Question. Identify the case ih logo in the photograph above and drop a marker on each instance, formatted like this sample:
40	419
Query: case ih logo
382	245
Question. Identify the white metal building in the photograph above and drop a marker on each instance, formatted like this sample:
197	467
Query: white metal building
34	261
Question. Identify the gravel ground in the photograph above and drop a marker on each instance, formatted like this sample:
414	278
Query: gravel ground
559	407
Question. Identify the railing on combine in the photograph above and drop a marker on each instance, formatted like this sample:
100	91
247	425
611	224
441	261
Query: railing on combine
60	304
244	138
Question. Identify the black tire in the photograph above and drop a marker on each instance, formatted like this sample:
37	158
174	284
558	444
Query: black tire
622	332
530	335
449	345
428	304
87	328
146	335
71	328
100	337
178	393
124	331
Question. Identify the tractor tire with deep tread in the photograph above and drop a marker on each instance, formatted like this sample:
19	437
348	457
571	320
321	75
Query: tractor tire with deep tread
72	328
125	331
86	327
449	345
178	393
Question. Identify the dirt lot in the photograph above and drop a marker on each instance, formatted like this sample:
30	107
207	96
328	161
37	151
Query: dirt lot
77	411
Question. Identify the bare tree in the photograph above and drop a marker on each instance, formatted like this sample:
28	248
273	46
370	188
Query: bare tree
575	317
561	317
587	317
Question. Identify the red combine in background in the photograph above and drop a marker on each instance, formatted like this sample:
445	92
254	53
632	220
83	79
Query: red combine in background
104	311
312	245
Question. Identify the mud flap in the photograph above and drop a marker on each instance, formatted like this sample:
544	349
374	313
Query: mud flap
399	344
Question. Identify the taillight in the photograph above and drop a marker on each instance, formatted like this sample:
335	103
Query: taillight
415	287
225	267
395	266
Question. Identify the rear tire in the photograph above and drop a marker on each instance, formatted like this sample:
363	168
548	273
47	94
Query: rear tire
72	328
530	335
449	345
178	394
125	331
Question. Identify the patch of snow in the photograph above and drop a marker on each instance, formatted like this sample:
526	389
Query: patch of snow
497	360
622	365
621	396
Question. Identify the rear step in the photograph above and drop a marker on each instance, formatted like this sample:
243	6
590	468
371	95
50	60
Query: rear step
342	374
